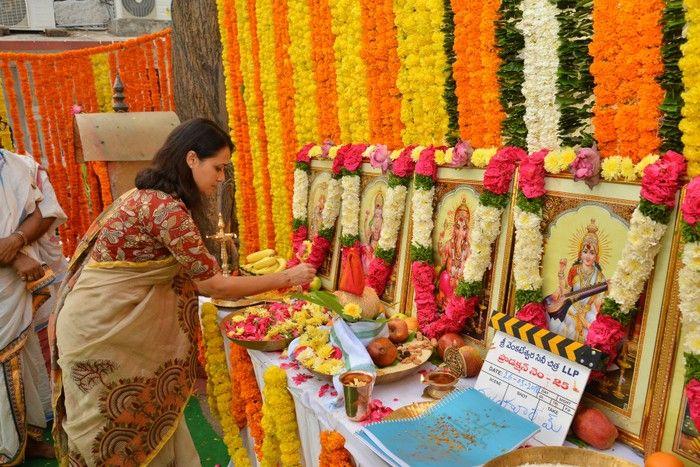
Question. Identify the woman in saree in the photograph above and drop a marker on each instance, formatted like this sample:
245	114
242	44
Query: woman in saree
126	320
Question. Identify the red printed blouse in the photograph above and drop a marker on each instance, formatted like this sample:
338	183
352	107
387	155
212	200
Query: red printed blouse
152	225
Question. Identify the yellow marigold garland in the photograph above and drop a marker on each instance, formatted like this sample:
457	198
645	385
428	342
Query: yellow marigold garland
281	445
690	67
246	51
305	110
333	452
103	87
273	126
219	384
5	135
353	104
422	75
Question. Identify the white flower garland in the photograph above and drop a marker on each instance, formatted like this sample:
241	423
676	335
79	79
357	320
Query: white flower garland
394	209
540	29
332	207
527	251
350	209
484	231
423	217
637	260
689	297
300	196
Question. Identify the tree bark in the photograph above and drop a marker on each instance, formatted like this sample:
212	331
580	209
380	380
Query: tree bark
200	91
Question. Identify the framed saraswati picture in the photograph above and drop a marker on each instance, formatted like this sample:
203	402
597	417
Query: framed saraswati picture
584	233
457	194
318	193
373	194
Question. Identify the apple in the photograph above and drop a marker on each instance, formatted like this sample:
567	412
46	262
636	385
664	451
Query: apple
382	351
449	340
398	330
315	284
412	323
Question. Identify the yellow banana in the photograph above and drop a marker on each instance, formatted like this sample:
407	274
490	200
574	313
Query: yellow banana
258	255
267	270
265	263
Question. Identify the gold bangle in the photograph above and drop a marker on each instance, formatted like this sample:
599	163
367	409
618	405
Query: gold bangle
22	236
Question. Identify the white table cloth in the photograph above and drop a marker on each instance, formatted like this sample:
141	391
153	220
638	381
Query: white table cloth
315	413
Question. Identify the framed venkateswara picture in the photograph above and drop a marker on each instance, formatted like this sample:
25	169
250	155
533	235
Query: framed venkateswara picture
318	193
457	194
671	429
584	233
373	194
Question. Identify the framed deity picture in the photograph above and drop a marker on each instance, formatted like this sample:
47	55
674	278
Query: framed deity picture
584	233
457	194
373	191
671	429
318	191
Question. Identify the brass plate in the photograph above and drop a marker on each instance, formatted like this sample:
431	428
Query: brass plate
558	455
265	346
236	304
410	411
400	371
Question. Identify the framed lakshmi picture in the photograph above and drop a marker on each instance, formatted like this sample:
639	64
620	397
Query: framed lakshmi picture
373	195
671	429
584	233
456	197
318	193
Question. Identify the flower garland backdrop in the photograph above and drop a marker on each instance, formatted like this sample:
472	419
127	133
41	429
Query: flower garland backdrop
38	117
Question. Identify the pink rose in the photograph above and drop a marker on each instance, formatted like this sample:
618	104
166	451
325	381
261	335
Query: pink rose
426	163
460	309
692	392
352	157
319	248
661	179
325	149
424	285
586	166
499	172
533	313
298	236
378	275
403	166
379	159
339	161
691	202
461	154
606	334
303	155
532	174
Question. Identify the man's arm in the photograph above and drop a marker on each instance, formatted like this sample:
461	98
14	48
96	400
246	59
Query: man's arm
32	228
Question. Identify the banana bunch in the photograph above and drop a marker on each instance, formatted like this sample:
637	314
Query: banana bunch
264	262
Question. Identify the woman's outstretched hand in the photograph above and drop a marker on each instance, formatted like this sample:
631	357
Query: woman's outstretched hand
300	274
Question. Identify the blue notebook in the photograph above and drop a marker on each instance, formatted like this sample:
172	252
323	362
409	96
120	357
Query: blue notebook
465	429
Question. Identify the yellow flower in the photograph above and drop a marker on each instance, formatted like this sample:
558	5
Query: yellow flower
611	168
559	160
646	161
627	170
482	156
333	151
353	310
449	154
415	153
315	152
440	157
395	154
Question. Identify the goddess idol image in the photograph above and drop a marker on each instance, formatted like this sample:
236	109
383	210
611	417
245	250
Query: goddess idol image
454	251
577	301
373	227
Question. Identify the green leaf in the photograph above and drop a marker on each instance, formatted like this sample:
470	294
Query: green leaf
523	297
470	289
423	182
657	212
690	233
386	255
489	198
612	308
296	223
349	240
328	233
395	180
322	298
531	205
422	253
692	366
303	166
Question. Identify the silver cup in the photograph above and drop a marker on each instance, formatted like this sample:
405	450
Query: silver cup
357	390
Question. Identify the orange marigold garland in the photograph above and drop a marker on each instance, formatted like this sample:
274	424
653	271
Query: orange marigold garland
11	95
379	53
152	76
243	371
323	57
333	452
169	61
262	133
492	111
27	100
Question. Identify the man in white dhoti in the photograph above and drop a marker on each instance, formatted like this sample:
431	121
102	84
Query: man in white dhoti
25	217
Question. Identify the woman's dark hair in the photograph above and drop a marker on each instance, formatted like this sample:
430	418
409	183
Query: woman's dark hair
169	171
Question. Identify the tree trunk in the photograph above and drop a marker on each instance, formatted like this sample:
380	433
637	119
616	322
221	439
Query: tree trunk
200	92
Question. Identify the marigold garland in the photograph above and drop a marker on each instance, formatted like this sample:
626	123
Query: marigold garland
421	79
323	57
5	135
333	452
218	377
8	82
250	399
23	74
281	445
103	87
273	117
353	105
690	67
379	51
